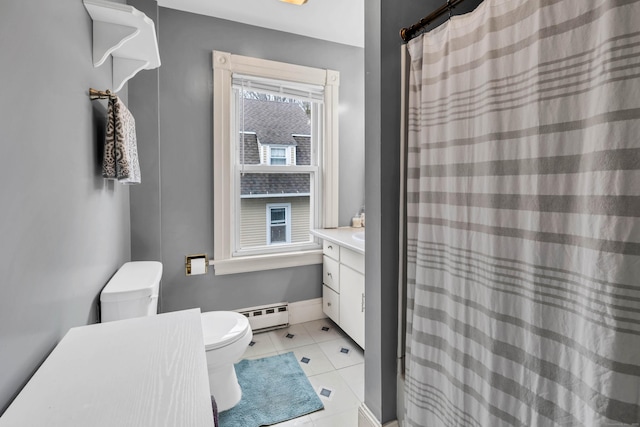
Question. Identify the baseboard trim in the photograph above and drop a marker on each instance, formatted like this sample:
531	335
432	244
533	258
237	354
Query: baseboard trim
306	311
367	419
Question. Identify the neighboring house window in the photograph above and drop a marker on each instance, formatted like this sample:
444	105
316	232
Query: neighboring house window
278	223
282	155
275	151
277	156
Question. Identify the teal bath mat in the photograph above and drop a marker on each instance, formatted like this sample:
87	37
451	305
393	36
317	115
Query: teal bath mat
274	389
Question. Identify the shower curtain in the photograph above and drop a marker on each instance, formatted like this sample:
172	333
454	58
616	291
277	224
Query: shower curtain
523	197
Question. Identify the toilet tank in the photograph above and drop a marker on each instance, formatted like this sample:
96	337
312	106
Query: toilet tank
132	291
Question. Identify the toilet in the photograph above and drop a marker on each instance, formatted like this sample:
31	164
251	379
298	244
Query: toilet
227	335
133	292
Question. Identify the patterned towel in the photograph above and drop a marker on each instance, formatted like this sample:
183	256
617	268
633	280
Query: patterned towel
120	159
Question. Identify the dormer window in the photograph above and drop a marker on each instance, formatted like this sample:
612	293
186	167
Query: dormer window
277	156
280	155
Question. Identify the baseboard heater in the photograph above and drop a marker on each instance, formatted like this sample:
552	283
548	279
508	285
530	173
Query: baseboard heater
267	317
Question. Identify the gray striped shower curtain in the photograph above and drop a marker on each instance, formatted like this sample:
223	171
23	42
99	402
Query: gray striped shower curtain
523	198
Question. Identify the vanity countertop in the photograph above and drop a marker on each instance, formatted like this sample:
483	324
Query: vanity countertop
349	237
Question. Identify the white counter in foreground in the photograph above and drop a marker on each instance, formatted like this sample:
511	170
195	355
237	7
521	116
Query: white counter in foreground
343	236
149	371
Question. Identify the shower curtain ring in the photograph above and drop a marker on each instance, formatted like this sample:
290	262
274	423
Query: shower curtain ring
449	7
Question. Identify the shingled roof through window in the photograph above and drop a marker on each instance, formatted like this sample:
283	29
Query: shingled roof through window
274	183
275	123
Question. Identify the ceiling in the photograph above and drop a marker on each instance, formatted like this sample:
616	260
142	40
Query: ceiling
340	21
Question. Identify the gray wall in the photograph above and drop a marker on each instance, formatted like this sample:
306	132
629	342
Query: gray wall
63	230
383	21
185	210
144	96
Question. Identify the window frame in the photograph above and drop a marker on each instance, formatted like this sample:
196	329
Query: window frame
224	65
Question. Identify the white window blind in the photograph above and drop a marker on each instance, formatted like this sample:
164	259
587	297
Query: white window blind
300	91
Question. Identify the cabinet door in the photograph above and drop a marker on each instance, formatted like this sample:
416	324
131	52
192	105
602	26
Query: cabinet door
352	304
331	273
331	303
331	250
352	259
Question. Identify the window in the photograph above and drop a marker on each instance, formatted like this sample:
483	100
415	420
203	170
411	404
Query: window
277	162
278	223
275	152
278	156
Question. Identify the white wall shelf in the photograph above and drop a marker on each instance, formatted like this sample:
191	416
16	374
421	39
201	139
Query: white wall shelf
126	34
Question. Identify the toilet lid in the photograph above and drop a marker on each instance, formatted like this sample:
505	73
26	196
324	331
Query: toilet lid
220	328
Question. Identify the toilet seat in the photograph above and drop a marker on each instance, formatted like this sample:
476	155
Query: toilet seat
221	328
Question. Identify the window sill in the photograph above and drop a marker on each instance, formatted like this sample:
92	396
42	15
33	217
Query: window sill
248	264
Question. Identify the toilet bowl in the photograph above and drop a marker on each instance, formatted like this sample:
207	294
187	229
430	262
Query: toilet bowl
133	292
227	335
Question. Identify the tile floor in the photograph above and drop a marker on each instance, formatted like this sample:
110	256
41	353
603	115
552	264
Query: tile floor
333	363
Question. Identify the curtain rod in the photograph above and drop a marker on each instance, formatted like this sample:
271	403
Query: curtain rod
415	30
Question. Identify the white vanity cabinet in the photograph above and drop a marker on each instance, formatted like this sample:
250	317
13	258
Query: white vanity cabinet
343	289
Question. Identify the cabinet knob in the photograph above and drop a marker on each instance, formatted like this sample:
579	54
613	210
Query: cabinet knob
329	247
329	274
328	304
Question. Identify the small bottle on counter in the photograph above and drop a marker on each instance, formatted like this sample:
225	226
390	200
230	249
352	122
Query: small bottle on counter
356	221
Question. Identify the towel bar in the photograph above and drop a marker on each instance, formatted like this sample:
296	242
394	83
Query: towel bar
99	94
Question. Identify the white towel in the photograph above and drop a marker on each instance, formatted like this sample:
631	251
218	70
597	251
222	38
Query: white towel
120	159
